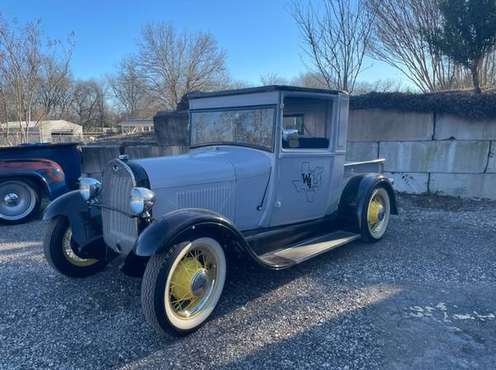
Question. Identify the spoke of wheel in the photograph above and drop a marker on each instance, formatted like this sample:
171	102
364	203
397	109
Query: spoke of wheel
174	284
183	299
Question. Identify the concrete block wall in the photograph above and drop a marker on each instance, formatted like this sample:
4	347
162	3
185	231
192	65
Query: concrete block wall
427	152
424	152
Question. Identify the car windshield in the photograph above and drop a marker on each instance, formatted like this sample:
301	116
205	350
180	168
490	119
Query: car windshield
247	126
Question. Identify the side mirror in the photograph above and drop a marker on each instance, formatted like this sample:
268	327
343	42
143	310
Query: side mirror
290	134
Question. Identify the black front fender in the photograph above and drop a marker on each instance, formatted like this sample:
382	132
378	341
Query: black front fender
182	224
356	193
85	220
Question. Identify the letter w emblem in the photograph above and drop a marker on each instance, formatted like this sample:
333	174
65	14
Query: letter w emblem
307	179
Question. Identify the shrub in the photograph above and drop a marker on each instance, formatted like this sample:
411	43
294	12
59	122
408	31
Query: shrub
463	104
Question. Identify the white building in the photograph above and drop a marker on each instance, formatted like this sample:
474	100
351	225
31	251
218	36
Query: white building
50	131
136	125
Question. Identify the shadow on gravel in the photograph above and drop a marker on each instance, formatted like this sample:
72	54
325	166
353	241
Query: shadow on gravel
55	321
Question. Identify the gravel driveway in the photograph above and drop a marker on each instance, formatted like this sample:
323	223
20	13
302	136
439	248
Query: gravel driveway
424	297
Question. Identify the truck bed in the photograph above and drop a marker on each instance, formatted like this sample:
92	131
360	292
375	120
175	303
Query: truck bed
372	166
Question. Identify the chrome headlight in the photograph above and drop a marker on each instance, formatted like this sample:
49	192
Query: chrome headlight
141	200
89	188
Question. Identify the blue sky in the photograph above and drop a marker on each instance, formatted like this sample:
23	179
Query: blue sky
259	36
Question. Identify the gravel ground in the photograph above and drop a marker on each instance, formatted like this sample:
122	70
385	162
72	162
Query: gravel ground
424	297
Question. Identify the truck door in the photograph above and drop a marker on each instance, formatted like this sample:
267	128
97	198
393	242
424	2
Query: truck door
305	162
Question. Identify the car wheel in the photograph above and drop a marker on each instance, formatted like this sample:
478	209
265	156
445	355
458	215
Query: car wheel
181	288
19	201
376	215
61	255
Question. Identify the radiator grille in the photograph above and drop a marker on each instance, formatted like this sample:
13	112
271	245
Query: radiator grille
120	231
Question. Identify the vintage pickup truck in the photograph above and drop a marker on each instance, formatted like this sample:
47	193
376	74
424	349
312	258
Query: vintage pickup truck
265	178
29	173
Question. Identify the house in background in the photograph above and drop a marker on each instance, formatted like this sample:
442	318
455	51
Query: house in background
50	131
136	125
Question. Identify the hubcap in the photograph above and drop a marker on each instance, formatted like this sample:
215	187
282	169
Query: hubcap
11	199
191	283
17	200
199	283
381	213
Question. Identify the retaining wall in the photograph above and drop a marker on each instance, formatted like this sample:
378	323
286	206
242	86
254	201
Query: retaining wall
427	152
424	152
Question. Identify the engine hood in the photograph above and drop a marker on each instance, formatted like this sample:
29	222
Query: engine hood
206	165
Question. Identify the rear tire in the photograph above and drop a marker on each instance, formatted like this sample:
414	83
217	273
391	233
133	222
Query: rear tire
181	287
376	213
20	201
62	257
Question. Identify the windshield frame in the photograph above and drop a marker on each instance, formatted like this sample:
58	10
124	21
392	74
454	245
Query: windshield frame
231	143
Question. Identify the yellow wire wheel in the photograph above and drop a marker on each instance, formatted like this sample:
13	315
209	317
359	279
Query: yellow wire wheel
69	254
60	255
378	212
194	283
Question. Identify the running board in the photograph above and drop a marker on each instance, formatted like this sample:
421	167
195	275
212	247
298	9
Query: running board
307	249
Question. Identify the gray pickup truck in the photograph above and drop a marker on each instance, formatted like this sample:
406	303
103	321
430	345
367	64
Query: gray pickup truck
265	179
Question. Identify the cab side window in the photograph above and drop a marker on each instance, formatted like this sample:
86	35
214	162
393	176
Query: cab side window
305	123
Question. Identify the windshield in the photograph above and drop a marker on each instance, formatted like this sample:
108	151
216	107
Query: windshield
247	126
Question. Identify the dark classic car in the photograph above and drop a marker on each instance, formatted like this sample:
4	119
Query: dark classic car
29	173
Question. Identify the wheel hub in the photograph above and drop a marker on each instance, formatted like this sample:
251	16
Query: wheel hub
381	213
376	212
188	279
11	199
199	282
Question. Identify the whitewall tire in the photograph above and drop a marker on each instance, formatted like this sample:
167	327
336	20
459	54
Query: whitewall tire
181	287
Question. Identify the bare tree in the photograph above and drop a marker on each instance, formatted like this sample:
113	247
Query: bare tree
129	89
336	35
273	79
488	71
400	29
88	104
31	72
173	64
378	86
310	79
4	114
55	80
20	68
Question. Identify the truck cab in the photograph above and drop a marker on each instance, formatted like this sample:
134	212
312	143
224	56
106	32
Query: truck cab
272	155
266	177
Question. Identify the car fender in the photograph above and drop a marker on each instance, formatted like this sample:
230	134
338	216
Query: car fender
356	193
177	225
47	174
85	221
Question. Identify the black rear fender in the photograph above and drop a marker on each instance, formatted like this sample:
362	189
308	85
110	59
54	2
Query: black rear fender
356	193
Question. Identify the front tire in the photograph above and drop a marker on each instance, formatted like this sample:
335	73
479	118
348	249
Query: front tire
375	215
61	256
181	287
20	201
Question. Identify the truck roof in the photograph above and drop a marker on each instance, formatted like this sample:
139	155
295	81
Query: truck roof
261	89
